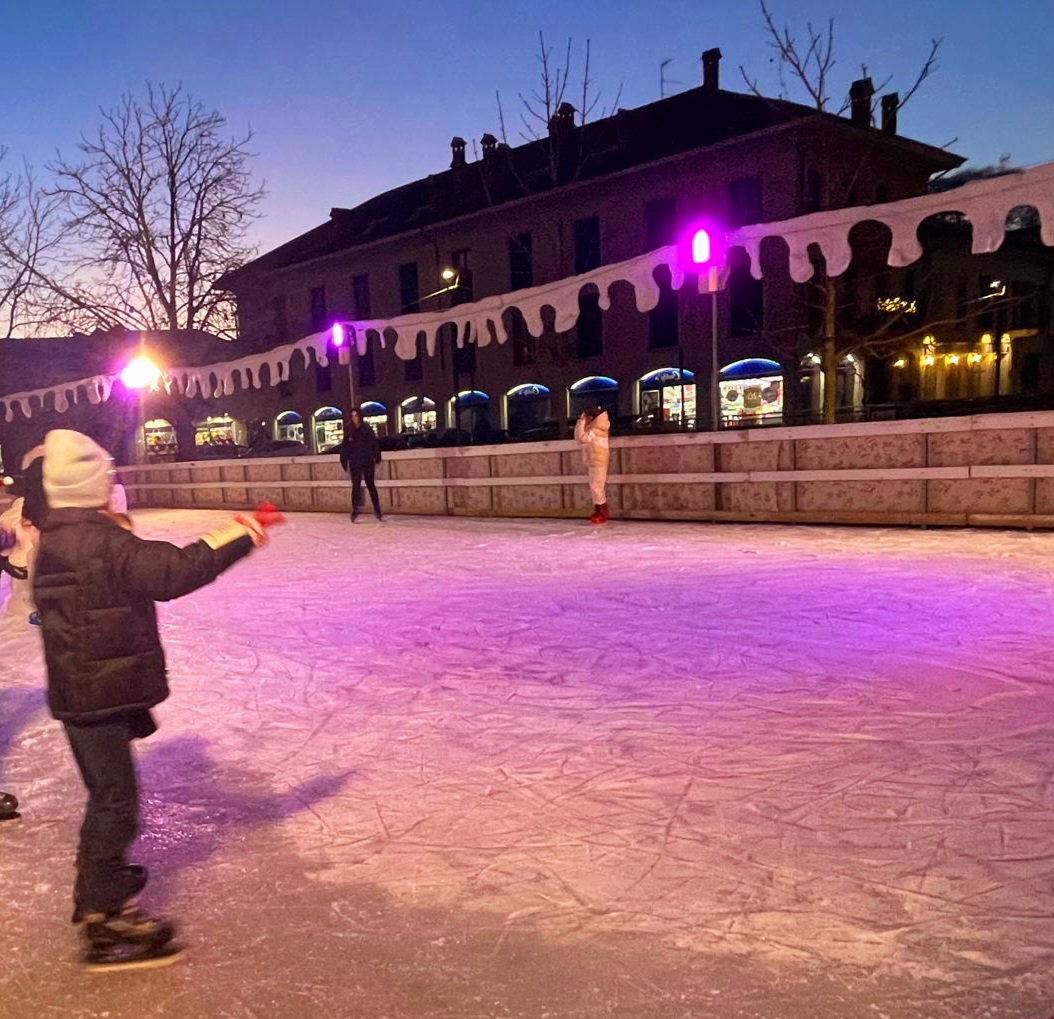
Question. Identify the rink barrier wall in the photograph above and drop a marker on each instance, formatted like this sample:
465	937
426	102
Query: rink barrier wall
989	470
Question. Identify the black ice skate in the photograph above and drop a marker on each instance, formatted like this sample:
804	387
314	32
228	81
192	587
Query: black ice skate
8	807
137	877
129	940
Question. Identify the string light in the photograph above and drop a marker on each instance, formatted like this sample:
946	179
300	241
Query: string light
974	359
928	360
900	362
952	359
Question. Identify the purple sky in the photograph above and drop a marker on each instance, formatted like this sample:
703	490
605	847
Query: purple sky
349	99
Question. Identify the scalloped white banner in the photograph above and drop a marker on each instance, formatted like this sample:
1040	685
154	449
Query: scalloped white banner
985	203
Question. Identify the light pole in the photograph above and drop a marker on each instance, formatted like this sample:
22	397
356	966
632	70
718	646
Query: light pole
702	252
140	375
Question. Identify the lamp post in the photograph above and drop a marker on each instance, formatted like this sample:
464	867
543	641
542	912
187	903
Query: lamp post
702	252
139	376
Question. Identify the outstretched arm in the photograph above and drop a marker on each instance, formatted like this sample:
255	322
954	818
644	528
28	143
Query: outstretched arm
163	571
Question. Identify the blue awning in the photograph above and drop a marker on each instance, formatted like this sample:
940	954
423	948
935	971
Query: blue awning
594	384
666	377
750	368
528	391
372	408
471	398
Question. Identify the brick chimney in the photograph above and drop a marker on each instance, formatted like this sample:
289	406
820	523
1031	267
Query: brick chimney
860	95
712	70
489	144
457	152
890	105
563	120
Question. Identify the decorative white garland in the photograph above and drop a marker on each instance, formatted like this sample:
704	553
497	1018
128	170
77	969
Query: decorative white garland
985	203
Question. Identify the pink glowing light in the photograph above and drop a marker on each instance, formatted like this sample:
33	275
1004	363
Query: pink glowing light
339	335
701	247
141	373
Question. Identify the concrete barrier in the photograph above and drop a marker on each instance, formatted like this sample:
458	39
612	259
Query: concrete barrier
988	470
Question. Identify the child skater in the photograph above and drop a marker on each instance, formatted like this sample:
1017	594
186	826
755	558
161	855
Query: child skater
591	432
95	587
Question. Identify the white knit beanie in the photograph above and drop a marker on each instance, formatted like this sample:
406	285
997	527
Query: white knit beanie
78	472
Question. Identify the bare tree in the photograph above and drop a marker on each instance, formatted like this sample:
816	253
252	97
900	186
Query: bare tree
805	67
28	237
156	207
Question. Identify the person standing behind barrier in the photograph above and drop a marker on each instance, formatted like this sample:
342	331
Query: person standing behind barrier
591	431
359	455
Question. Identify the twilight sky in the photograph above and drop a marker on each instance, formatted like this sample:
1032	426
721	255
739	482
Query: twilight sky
348	98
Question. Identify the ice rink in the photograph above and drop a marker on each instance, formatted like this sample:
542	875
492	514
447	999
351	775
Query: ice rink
467	769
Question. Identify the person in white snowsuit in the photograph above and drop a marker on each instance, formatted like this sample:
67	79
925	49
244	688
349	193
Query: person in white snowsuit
21	520
591	432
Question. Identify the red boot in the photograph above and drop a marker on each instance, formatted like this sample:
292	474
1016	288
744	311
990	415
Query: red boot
604	512
598	515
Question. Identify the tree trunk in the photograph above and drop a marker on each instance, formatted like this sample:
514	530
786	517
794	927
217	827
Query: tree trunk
829	356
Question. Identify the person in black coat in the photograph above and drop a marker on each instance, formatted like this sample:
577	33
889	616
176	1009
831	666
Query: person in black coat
95	588
359	455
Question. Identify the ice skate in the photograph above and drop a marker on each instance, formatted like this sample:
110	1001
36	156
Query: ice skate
137	880
8	807
598	516
128	940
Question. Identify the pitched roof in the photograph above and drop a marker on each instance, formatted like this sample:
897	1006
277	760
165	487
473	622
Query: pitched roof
694	119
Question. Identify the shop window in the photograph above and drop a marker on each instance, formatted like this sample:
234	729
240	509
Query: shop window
289	427
376	416
219	434
668	395
328	425
417	414
160	439
751	392
469	411
527	407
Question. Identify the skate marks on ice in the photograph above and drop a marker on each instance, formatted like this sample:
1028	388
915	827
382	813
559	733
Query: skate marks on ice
820	758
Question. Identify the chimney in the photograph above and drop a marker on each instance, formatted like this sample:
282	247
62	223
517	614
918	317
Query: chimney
711	71
860	95
457	152
563	120
890	105
489	144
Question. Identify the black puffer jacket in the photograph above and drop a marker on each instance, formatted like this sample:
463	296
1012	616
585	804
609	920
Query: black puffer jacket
359	448
95	589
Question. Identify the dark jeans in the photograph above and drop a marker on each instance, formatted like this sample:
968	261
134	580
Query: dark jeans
103	751
358	474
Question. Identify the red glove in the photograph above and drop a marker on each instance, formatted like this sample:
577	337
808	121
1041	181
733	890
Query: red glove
266	515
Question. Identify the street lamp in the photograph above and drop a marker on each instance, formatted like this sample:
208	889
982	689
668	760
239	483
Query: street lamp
702	252
140	375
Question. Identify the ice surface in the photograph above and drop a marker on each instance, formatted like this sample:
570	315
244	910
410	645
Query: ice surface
490	768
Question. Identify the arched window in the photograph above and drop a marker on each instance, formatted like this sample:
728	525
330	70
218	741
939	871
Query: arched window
469	410
751	392
669	394
289	427
328	427
376	416
417	414
527	407
219	434
159	438
593	390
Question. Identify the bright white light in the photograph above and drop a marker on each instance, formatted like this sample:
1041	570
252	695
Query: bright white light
700	247
141	373
339	336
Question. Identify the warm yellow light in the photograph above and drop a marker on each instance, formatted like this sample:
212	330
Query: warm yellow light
900	362
141	373
928	361
448	274
986	339
928	341
974	359
952	359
